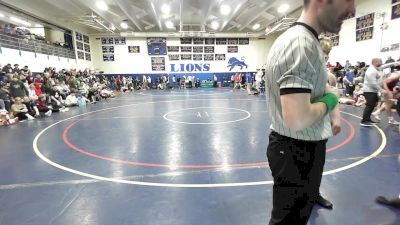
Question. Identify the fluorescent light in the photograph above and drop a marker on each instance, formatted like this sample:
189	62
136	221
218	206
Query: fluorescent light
256	26
38	25
112	27
283	8
124	25
18	20
102	5
169	24
214	24
225	9
1	15
165	9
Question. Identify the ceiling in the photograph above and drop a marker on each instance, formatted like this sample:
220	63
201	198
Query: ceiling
147	16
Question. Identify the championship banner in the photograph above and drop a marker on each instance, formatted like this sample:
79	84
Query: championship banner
364	34
220	41
186	48
210	41
157	63
244	41
365	21
197	49
173	57
173	48
197	57
157	46
198	41
120	41
88	57
208	49
134	49
208	57
107	49
185	41
186	57
395	11
108	57
107	41
220	57
232	49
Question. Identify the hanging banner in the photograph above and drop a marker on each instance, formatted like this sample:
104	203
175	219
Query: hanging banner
233	49
208	49
134	49
120	41
396	11
365	21
364	34
108	57
157	63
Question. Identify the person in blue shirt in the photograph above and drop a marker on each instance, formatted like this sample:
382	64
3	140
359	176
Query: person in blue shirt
249	82
348	81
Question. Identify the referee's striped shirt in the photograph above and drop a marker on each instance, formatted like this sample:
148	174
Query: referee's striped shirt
296	65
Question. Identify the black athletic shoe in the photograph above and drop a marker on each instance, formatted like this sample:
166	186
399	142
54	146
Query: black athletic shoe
323	202
395	202
366	124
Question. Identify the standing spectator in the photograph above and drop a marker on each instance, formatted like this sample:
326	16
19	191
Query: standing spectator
249	83
173	81
215	80
149	82
348	81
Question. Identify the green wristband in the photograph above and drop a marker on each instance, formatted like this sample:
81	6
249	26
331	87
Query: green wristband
330	100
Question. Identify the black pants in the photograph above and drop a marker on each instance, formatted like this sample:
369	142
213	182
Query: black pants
349	89
372	100
297	168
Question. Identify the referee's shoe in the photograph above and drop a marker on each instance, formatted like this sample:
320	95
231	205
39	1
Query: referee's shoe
367	123
323	202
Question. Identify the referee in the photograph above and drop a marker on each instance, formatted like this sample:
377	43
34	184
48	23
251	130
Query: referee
299	104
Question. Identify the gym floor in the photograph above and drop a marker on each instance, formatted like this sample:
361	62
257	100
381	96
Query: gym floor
182	157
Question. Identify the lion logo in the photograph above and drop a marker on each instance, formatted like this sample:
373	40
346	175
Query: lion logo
233	62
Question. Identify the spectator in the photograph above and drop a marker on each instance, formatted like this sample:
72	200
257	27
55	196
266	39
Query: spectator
347	65
19	110
16	69
42	106
7	69
32	109
17	88
348	80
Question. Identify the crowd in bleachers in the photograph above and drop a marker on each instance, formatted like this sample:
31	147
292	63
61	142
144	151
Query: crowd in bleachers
27	96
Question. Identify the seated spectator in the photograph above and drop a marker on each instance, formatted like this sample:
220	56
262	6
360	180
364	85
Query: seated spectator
16	69
17	88
7	69
19	110
42	106
106	93
5	97
71	100
32	109
32	92
6	119
56	100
